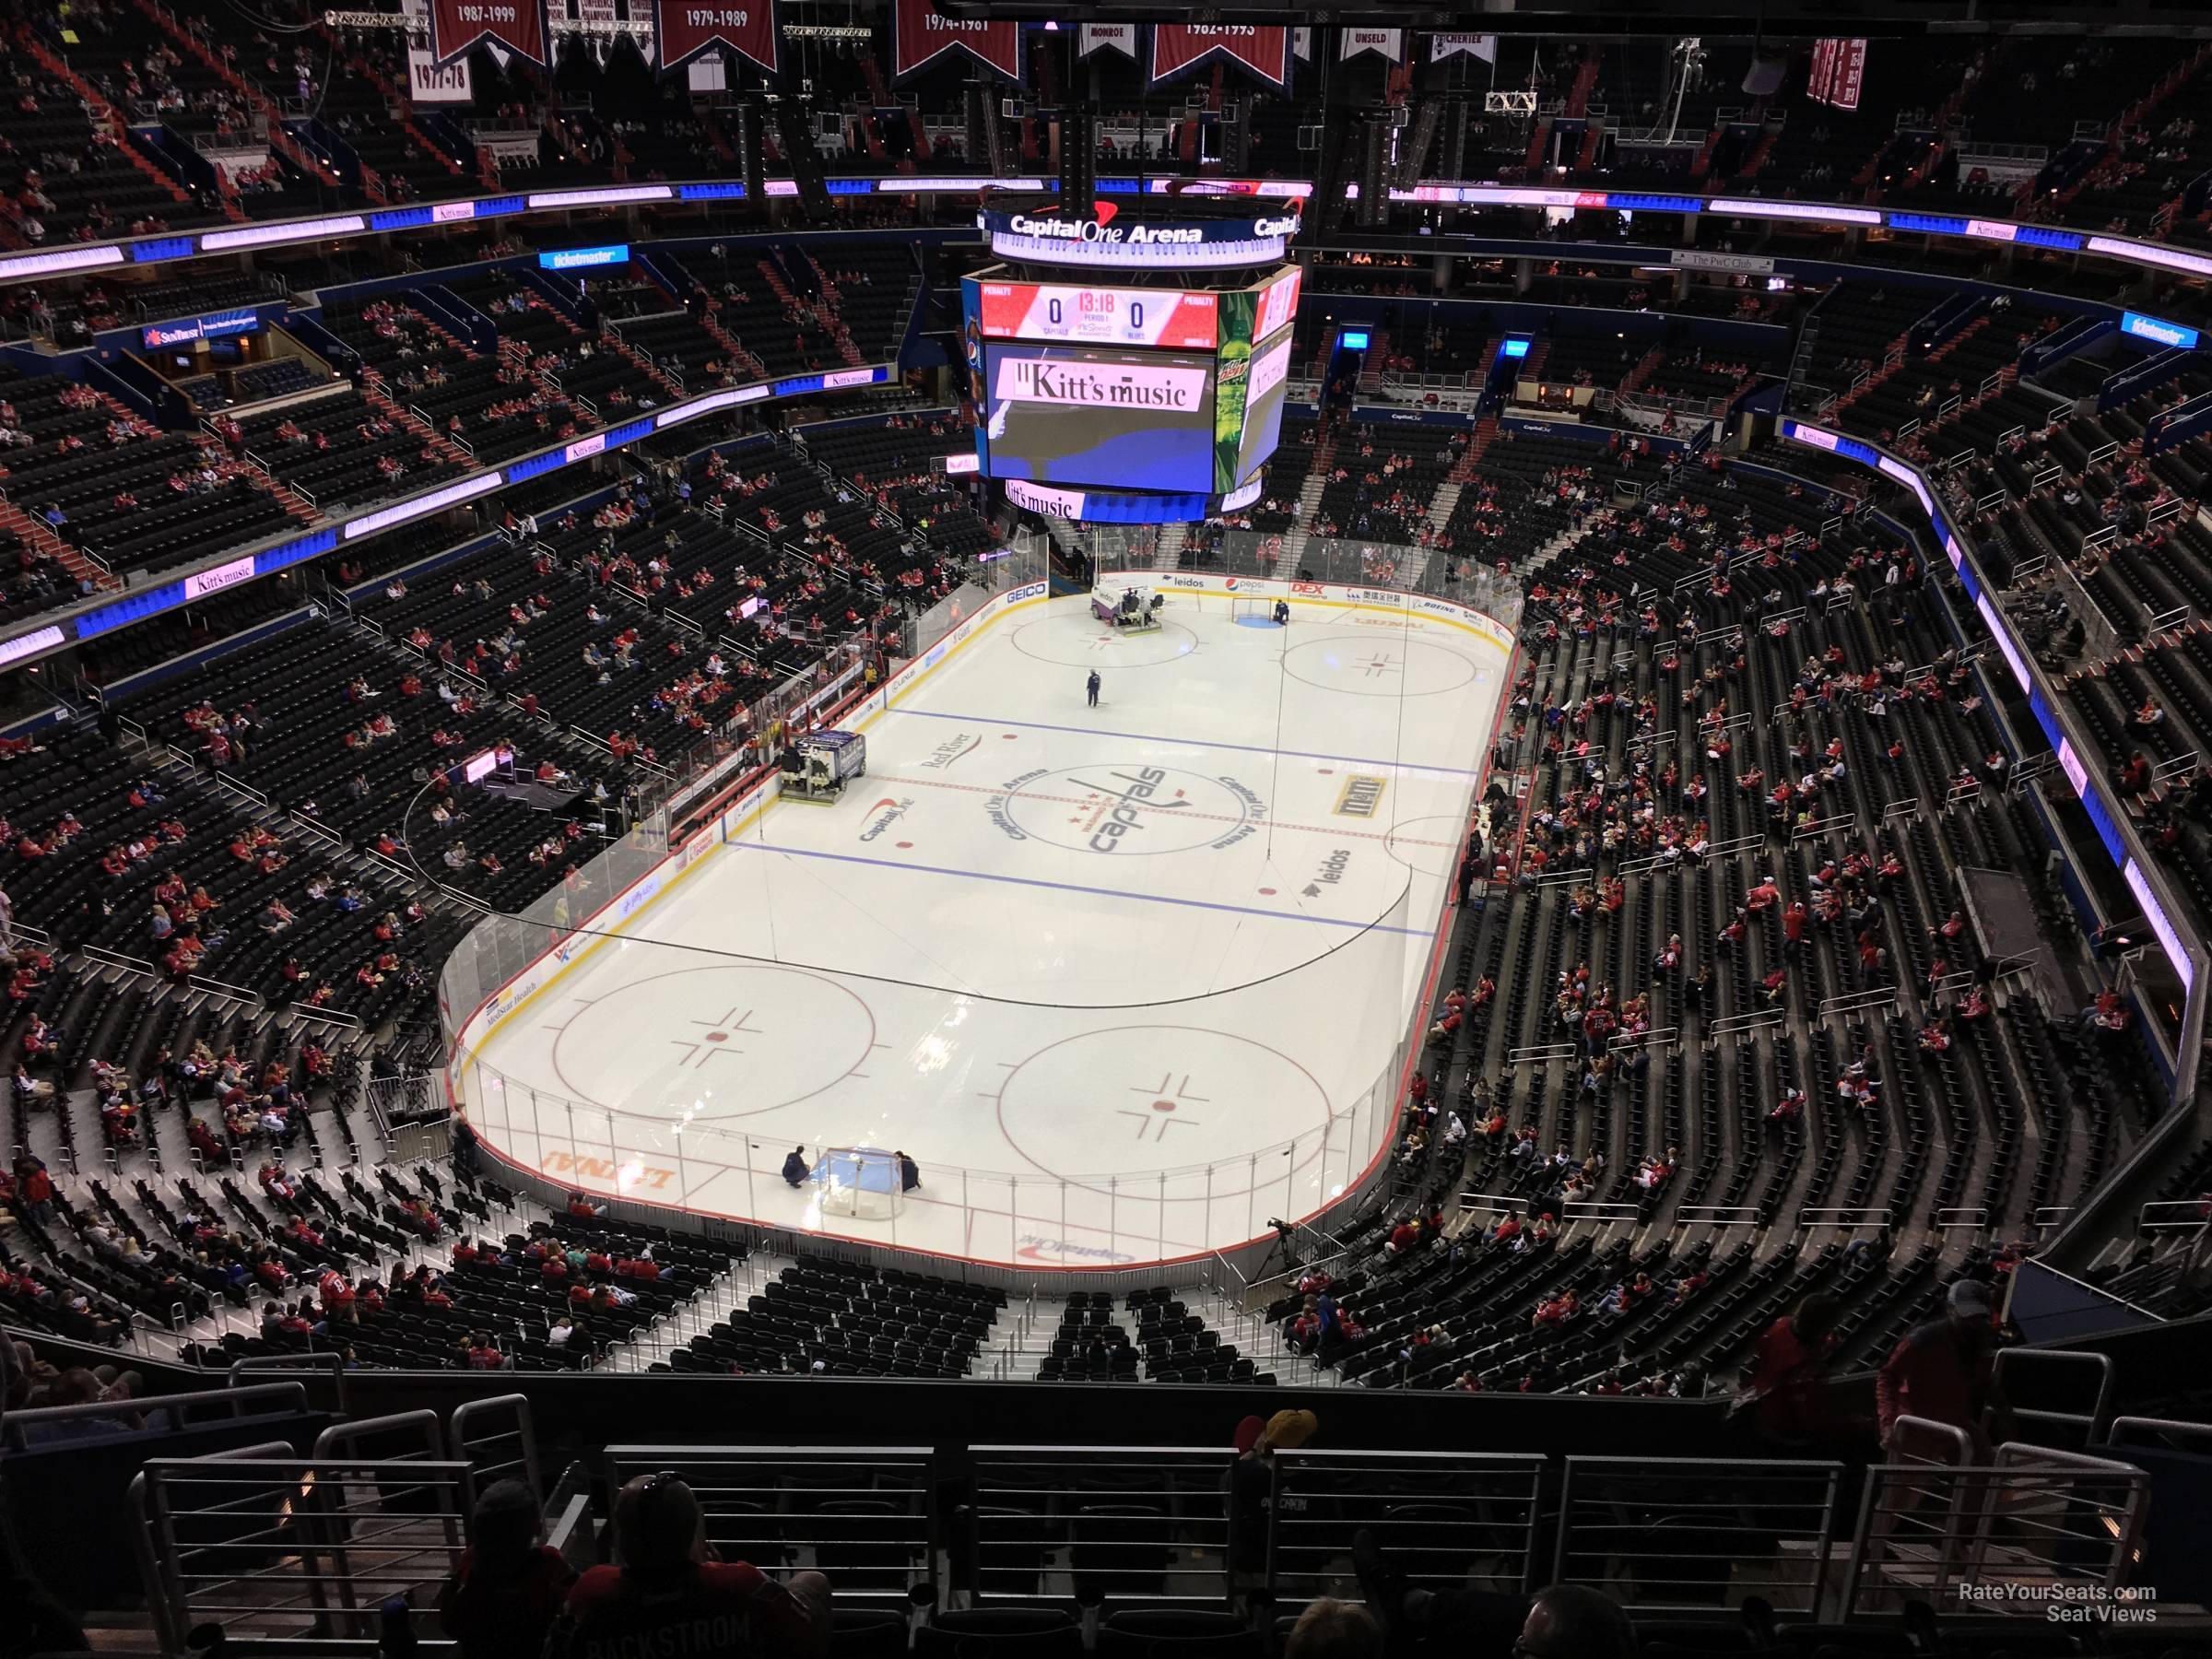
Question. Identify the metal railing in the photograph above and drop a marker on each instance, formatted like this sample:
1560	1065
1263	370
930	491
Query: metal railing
2030	1531
1675	1534
866	1516
1460	1519
493	1436
163	1412
291	1553
1136	1523
281	1549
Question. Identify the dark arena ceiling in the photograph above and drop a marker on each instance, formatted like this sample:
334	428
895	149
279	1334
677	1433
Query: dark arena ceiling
1585	17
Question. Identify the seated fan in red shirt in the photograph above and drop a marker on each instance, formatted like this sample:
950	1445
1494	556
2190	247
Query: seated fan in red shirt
670	1597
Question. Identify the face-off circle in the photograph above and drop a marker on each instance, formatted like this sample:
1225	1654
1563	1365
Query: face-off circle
1386	662
1160	1097
1126	808
1429	844
1091	644
740	1039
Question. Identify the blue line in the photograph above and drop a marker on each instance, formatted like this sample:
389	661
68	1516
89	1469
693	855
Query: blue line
1247	748
1071	887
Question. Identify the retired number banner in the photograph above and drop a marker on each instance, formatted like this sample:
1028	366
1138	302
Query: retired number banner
1262	50
748	28
922	34
456	25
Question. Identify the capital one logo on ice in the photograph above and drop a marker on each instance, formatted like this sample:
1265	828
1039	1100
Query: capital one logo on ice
883	815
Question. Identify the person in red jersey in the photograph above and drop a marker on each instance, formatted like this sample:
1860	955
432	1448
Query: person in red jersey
509	1588
670	1597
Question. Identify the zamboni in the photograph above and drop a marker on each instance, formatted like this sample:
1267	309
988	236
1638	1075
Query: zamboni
1133	608
818	765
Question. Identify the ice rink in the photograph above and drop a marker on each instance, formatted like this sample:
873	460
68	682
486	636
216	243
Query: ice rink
1124	980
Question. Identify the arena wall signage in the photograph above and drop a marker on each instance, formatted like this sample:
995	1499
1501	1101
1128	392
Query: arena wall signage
519	26
2158	331
577	259
921	34
1124	507
1104	239
182	331
748	28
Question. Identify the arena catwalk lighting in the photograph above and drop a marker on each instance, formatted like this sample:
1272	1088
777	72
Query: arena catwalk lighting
29	644
264	236
452	494
2172	259
617	196
1561	202
55	264
1816	212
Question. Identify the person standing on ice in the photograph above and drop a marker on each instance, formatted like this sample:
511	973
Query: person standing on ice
1092	686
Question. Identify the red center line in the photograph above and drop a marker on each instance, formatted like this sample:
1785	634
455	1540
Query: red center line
1181	812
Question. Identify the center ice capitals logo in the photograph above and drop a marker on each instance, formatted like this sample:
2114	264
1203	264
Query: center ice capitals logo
1134	810
883	815
1137	791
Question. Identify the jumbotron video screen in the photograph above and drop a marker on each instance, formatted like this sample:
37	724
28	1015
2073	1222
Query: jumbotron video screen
1131	388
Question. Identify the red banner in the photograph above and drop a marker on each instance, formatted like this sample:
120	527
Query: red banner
748	28
1838	69
921	34
1262	50
518	25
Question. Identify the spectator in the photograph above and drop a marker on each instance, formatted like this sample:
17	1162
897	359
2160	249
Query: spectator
1942	1371
508	1589
1787	1389
1564	1621
667	1595
1329	1628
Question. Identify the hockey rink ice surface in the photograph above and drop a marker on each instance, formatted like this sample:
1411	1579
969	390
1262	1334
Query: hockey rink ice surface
1124	980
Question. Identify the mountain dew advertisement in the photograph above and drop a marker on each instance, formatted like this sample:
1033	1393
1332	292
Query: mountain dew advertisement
1251	365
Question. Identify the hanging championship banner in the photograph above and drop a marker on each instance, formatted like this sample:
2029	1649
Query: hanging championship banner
1302	45
429	84
515	26
686	27
1484	46
1384	43
1838	68
1108	37
1265	49
921	34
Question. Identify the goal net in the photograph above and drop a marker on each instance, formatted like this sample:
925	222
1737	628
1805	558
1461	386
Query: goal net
1240	607
860	1182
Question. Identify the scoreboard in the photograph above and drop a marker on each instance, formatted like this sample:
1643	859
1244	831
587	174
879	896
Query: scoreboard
1172	318
1168	388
